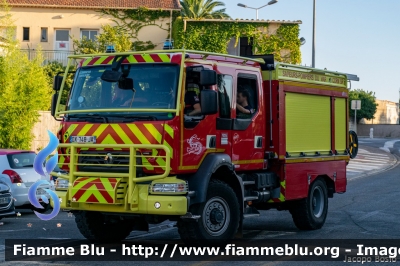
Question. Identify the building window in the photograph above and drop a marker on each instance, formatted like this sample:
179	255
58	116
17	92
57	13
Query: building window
25	36
43	35
246	46
89	34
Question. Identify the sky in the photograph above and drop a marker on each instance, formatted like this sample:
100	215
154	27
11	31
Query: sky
360	37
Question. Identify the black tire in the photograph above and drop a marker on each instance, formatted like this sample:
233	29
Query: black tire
310	213
95	227
353	144
220	216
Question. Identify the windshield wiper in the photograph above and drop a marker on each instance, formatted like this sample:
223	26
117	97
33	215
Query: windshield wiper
140	117
92	116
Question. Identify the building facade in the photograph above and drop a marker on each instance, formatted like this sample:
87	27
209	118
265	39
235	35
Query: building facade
51	24
387	112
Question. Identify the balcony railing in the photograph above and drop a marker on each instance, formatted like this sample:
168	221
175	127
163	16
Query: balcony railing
49	55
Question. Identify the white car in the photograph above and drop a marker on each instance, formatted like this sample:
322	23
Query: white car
6	199
18	166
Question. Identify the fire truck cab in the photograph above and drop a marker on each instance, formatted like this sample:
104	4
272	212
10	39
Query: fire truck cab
202	139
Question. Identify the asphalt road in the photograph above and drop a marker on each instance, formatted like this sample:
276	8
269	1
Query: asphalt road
368	210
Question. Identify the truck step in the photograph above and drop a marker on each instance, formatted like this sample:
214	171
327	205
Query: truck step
250	212
249	198
247	183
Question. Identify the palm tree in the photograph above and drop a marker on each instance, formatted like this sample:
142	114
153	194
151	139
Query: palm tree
203	9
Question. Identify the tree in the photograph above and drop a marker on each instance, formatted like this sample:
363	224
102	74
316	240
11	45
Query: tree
52	69
110	36
24	89
368	104
199	9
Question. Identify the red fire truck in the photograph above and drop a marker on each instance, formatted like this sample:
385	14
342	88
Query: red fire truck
135	156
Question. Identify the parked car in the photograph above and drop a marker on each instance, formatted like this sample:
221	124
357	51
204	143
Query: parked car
18	166
57	170
7	207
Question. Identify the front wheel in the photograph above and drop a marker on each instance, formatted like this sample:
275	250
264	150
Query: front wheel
97	227
219	219
310	213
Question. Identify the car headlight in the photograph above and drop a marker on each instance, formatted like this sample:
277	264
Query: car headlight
168	188
61	184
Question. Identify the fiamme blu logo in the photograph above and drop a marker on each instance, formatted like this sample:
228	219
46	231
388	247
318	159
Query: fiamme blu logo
44	168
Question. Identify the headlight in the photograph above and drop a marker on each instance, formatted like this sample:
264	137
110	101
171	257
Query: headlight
163	188
61	184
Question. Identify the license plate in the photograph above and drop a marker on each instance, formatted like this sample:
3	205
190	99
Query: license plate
4	200
40	191
83	139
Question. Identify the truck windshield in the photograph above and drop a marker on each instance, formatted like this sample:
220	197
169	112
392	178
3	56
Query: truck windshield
154	87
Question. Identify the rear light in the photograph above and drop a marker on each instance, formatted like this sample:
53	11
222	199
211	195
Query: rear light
14	176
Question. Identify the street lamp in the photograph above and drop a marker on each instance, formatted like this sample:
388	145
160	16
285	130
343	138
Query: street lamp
313	37
269	3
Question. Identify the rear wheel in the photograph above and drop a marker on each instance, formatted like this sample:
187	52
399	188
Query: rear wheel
219	219
97	227
310	213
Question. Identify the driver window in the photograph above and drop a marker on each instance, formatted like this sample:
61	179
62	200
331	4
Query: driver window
246	96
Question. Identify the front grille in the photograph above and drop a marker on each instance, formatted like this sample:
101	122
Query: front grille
99	161
5	200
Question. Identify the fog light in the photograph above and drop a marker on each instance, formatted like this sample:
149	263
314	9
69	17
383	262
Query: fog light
61	184
179	188
157	205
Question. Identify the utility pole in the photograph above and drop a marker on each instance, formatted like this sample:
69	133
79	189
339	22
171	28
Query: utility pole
313	38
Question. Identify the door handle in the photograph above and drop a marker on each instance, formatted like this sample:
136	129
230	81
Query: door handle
258	142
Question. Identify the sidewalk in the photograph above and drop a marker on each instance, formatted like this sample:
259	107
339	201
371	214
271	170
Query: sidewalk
370	161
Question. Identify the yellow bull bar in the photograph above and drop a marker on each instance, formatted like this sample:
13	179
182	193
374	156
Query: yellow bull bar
132	166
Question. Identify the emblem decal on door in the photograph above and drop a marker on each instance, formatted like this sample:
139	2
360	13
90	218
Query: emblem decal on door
195	145
236	137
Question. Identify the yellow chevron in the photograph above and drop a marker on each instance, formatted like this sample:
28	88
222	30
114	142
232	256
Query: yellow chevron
121	134
85	129
147	58
131	59
154	132
138	134
101	60
69	131
94	192
169	130
164	58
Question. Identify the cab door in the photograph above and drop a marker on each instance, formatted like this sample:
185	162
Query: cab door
248	131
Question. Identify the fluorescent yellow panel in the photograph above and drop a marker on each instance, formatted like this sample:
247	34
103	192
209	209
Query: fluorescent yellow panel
340	124
308	123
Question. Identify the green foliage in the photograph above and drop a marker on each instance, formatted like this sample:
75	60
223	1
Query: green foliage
142	46
368	104
110	36
198	9
24	90
214	37
52	69
131	21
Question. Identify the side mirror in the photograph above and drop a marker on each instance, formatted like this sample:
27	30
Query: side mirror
125	84
209	102
57	82
208	77
54	99
111	76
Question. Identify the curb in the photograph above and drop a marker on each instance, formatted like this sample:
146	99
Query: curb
394	163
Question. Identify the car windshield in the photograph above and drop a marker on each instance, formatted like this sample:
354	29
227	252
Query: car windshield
21	160
154	87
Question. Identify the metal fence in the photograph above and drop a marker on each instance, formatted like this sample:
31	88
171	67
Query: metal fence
50	55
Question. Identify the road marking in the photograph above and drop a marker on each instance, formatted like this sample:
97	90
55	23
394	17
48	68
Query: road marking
388	145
